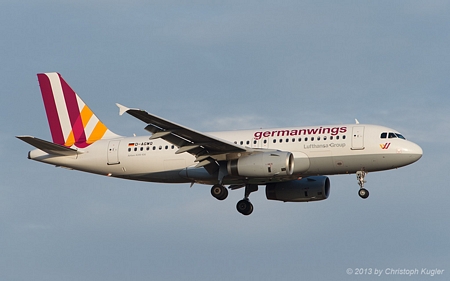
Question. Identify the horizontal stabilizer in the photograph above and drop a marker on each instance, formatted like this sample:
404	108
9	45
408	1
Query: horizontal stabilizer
49	147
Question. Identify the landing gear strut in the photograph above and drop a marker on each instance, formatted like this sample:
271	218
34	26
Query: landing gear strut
363	193
244	206
219	192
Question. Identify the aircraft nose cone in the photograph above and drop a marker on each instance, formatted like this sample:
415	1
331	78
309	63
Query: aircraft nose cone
415	152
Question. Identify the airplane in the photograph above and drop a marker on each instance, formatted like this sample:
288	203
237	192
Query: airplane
292	163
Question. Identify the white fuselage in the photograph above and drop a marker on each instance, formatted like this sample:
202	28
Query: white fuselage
318	150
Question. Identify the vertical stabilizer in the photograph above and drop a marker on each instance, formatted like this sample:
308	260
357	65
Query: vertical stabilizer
71	121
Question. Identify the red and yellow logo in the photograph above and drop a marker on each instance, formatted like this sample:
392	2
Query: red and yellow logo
385	146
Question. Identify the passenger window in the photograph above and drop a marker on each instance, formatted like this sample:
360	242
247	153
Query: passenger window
299	139
318	138
265	141
293	140
274	141
154	148
325	138
129	149
281	140
331	137
248	142
337	137
135	149
287	140
384	135
343	137
241	142
312	138
306	139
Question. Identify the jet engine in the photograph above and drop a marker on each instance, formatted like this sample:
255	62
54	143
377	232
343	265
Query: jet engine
307	189
265	164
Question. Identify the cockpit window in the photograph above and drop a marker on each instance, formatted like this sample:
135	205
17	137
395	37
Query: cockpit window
400	136
392	135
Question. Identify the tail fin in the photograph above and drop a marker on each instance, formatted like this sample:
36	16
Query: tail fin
70	119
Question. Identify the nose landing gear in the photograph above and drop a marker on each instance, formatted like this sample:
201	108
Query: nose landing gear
360	176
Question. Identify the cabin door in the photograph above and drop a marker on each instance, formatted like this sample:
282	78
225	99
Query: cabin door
358	137
113	152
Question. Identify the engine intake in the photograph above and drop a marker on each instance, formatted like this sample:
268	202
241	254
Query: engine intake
308	189
266	164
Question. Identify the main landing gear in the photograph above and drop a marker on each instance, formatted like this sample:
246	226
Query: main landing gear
363	193
219	192
244	206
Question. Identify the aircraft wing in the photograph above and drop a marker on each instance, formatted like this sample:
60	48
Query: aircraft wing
204	147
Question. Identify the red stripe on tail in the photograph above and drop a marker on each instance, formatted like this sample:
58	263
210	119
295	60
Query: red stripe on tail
74	114
50	109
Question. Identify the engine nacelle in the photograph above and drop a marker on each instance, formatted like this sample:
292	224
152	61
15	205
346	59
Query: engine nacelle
266	164
304	190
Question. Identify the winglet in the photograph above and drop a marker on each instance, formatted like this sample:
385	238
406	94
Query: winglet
122	109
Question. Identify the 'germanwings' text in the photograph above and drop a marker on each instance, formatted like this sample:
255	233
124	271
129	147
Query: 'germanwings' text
298	132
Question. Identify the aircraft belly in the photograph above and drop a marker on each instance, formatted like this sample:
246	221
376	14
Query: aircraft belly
199	175
162	177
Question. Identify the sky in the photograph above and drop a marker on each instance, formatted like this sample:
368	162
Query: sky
214	66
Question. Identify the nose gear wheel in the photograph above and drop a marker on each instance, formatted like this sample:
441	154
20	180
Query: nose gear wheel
363	193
